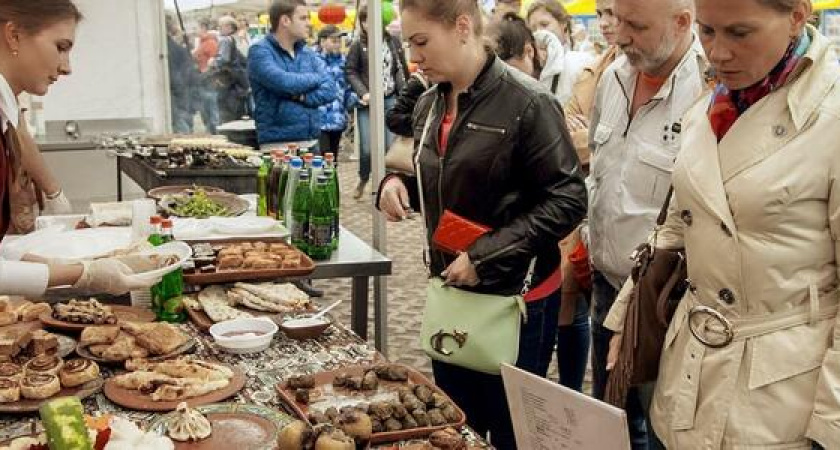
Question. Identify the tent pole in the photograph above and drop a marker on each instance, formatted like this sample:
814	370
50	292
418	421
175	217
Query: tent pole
377	151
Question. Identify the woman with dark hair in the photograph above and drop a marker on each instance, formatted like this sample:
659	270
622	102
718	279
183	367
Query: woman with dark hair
36	37
395	72
495	151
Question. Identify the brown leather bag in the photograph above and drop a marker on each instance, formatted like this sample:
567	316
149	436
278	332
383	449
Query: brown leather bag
661	278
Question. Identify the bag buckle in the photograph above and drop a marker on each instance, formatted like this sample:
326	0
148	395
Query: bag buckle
436	341
728	334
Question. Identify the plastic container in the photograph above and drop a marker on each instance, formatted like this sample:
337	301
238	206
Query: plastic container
256	334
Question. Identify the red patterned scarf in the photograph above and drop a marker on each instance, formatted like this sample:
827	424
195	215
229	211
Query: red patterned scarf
727	106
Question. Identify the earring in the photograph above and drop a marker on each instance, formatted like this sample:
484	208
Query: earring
14	52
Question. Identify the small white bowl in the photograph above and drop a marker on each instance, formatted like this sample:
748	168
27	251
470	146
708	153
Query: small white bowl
244	335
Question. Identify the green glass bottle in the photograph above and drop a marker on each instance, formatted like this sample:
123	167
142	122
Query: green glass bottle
281	187
321	220
300	214
332	187
155	238
262	186
170	290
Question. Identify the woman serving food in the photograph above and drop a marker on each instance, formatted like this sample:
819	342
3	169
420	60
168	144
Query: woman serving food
36	37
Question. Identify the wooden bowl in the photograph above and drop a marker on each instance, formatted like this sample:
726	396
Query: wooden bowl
305	331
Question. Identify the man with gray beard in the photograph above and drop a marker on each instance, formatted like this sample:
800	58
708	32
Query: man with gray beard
634	138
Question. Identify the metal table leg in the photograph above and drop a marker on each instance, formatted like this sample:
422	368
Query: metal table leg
359	306
119	179
380	314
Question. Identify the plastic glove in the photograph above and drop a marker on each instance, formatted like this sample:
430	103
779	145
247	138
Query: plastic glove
57	206
113	276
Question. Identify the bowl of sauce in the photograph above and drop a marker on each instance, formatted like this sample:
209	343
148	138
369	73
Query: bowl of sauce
247	335
305	327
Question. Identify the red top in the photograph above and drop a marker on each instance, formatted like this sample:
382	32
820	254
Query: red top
445	129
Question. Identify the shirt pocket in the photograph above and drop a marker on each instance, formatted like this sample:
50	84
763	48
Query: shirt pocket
648	177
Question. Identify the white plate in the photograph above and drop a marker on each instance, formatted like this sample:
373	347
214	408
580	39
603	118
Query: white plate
243	225
75	245
180	249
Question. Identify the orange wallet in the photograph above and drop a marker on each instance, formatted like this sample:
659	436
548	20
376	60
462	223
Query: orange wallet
456	234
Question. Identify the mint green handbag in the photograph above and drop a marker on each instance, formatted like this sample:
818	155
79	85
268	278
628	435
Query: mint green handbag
467	329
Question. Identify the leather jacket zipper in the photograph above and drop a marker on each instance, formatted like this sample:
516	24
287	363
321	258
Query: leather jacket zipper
477	127
495	254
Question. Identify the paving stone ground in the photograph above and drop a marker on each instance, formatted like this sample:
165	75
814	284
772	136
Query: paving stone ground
405	286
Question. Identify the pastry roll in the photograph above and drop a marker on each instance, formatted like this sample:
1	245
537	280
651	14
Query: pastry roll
77	372
39	386
43	364
9	390
11	371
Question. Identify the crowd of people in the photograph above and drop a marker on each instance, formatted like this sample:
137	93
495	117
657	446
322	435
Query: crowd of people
730	104
720	113
207	73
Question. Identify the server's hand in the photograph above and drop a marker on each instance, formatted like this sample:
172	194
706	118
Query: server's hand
112	276
57	204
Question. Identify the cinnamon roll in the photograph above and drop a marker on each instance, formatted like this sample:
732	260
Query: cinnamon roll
39	386
77	372
9	390
45	364
11	371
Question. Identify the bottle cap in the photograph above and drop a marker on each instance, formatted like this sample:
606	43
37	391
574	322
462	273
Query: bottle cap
329	157
308	157
166	223
287	158
155	220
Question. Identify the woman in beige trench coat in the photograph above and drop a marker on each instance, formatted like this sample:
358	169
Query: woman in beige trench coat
752	357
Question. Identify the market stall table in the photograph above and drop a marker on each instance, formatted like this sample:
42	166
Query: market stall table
336	349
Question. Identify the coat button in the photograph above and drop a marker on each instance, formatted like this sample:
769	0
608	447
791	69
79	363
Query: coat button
779	131
725	229
687	217
726	296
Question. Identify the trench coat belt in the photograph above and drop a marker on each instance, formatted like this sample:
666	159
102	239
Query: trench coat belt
714	329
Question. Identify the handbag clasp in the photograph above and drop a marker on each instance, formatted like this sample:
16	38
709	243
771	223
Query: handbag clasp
436	341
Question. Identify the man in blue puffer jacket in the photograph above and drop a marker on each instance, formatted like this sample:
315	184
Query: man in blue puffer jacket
289	80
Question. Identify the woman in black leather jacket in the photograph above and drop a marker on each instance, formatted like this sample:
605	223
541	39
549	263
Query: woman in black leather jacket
497	153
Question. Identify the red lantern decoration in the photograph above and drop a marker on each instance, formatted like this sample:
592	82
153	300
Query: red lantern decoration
332	14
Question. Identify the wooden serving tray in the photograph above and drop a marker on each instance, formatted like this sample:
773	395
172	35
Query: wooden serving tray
28	406
231	276
134	400
235	426
323	381
123	313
